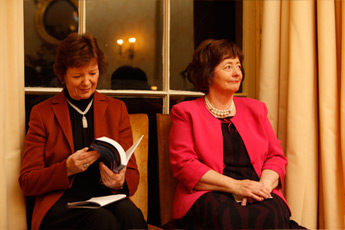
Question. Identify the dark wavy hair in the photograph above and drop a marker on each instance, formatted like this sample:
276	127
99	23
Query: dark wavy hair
78	50
206	57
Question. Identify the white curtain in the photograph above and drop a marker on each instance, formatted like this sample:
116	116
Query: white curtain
302	80
12	115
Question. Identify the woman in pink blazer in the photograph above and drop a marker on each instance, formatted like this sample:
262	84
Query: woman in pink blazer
223	150
57	167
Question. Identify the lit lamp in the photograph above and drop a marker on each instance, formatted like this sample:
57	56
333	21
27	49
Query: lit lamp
131	47
120	43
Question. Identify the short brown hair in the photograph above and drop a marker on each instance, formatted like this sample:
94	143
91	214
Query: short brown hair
78	50
206	57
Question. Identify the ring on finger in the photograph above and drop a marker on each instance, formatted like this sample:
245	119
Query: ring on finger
86	165
105	179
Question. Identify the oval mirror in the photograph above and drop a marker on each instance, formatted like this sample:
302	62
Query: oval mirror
55	19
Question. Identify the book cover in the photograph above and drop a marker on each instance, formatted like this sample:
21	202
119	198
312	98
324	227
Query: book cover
96	202
112	153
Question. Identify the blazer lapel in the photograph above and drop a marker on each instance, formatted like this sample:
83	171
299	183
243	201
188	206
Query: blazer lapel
60	109
99	108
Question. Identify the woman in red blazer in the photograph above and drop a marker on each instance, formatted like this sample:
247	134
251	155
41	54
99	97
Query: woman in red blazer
223	150
57	167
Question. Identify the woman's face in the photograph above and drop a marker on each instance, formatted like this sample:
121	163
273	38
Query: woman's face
227	76
81	82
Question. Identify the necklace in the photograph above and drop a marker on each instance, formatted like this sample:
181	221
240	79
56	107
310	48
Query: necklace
218	112
83	119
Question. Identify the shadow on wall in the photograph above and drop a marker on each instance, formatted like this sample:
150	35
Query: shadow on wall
128	77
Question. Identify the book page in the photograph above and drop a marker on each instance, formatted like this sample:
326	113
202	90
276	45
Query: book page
97	202
130	151
112	153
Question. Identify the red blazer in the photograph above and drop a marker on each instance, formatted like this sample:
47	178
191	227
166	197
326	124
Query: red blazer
196	146
49	142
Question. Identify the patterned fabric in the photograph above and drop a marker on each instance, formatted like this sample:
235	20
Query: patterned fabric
236	159
216	210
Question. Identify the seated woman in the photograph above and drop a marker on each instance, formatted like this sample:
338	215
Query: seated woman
223	150
57	167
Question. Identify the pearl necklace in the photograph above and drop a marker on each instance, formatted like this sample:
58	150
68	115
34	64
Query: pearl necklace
218	112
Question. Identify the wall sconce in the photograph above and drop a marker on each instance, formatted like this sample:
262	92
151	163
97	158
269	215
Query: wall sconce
130	51
131	47
120	43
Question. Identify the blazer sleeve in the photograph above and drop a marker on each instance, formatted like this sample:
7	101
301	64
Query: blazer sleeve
185	161
37	175
275	159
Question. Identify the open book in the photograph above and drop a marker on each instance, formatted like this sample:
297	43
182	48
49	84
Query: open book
96	202
112	153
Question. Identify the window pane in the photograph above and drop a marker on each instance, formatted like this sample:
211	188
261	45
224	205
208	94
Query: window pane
46	23
181	42
133	64
177	99
147	105
193	21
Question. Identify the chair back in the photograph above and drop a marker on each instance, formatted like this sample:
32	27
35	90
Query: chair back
140	126
167	182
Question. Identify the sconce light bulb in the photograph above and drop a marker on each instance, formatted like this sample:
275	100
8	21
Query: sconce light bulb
119	42
131	40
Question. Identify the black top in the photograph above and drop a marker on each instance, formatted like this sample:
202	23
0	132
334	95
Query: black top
82	137
88	180
236	158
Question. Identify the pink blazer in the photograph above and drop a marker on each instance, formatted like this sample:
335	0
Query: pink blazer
196	146
49	142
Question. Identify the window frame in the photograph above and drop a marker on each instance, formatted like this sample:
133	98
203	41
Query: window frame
251	34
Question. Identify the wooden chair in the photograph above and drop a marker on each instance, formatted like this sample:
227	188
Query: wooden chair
167	182
140	126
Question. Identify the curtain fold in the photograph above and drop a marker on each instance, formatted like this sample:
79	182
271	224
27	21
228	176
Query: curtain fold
302	83
12	116
270	42
340	15
341	41
329	117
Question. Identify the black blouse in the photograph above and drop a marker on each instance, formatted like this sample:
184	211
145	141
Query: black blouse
88	180
236	158
82	137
